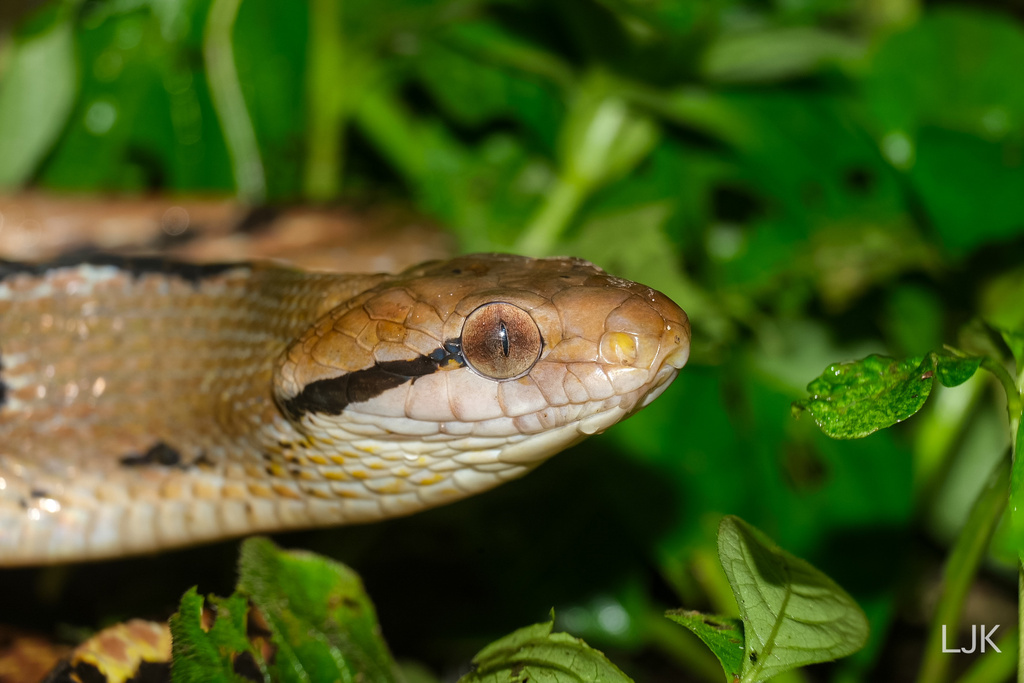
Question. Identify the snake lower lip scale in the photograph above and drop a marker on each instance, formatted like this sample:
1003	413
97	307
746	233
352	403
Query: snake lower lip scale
147	405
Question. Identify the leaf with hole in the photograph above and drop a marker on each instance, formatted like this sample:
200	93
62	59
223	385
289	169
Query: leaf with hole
852	400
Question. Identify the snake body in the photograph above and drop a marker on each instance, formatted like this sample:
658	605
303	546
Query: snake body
146	405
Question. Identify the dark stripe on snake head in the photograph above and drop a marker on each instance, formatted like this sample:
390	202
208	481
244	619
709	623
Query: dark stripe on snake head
3	387
332	396
136	266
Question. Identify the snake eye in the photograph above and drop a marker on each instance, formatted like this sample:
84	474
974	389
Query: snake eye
500	341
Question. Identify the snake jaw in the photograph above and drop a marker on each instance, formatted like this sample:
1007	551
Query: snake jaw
661	382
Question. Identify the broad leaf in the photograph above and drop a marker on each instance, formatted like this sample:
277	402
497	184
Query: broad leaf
945	118
793	615
536	654
36	96
722	635
851	400
322	622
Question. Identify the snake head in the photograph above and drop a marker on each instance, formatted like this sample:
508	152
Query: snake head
474	370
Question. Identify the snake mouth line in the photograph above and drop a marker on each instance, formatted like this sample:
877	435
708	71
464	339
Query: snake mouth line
677	359
662	380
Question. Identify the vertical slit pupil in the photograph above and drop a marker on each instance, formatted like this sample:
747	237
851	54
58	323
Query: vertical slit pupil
503	335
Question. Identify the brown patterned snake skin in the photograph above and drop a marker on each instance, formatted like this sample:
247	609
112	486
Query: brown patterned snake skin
147	405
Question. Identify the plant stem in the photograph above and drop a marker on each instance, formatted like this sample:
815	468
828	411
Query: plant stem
324	99
541	235
1013	404
940	432
226	92
394	133
963	563
1013	409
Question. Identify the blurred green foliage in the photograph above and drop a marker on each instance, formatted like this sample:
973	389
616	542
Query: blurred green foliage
812	180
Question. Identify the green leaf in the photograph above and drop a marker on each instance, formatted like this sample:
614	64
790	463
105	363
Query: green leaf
674	19
851	400
36	96
722	635
142	89
1015	342
604	138
950	160
494	43
772	54
323	624
479	72
793	615
536	654
209	655
951	121
921	76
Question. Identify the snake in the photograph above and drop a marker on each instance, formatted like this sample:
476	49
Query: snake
148	404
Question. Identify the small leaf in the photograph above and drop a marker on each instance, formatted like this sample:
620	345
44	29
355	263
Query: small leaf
604	137
323	624
534	653
722	635
211	655
854	399
793	615
36	96
774	54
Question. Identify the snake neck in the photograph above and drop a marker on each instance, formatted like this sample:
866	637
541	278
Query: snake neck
136	362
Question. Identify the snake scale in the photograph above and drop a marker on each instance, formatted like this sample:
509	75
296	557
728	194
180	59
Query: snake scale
147	404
